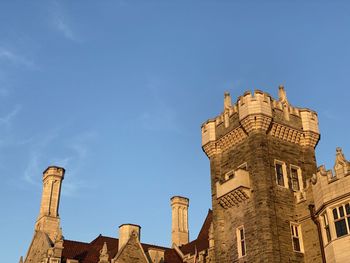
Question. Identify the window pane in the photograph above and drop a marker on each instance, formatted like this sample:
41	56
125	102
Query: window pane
335	213
243	248
347	208
328	233
292	228
341	211
279	171
340	227
296	231
242	234
325	220
296	244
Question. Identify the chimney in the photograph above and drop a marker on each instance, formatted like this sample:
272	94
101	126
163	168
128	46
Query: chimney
48	220
179	231
125	232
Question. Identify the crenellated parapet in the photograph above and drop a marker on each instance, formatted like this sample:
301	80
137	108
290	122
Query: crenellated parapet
331	185
258	112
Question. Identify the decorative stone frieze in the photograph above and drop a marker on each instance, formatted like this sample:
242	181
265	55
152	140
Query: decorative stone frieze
211	149
285	133
231	139
256	122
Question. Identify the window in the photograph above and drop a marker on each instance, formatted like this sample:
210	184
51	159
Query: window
326	227
341	217
281	173
296	178
296	237
241	242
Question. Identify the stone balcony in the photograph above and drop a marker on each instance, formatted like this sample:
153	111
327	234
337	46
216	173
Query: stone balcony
234	190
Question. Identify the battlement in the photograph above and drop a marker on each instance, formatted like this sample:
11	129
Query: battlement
259	112
327	185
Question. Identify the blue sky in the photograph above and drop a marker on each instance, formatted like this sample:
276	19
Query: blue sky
116	92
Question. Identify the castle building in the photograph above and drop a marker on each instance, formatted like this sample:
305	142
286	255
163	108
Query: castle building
270	201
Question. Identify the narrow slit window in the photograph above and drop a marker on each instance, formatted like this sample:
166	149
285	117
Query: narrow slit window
279	174
326	228
295	179
241	243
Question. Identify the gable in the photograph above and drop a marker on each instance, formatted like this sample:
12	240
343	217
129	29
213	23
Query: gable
132	252
38	247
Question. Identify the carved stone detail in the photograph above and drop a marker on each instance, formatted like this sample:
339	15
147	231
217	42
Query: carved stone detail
234	137
285	133
256	122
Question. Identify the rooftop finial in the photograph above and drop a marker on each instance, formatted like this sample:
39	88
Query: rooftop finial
340	158
227	101
282	94
21	260
104	253
59	235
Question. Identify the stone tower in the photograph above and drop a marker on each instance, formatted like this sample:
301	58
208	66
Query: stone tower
48	220
179	229
262	156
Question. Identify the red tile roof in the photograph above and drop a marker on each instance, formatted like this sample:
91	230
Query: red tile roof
202	242
90	252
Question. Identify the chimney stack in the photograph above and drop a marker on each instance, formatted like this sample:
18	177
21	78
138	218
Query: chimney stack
48	220
125	232
179	232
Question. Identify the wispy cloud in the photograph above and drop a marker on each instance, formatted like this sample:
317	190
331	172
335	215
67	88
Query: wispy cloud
70	154
61	22
6	55
37	150
9	117
32	169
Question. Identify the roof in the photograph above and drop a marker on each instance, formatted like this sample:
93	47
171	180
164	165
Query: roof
90	252
202	241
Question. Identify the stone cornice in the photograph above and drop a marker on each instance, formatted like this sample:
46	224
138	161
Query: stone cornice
286	133
230	139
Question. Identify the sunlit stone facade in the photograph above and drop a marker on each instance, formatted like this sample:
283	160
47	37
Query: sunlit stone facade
270	202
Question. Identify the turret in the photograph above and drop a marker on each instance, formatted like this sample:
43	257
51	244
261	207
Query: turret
261	154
